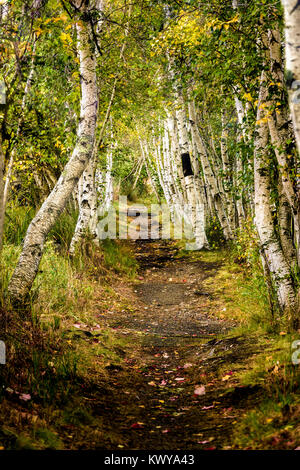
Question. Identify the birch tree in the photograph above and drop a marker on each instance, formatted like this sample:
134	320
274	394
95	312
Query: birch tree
270	246
28	264
292	47
88	206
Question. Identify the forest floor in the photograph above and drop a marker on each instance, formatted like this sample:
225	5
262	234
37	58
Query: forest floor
172	392
164	364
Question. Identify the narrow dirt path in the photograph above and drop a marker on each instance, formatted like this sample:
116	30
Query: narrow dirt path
177	390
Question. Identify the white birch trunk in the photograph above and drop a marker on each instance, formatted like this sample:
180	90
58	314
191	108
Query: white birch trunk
28	264
217	199
292	48
88	207
109	191
145	152
281	133
227	179
238	176
192	182
87	198
277	264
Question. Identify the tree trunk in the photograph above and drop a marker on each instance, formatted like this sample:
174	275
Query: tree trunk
2	206
281	132
28	264
144	150
87	207
215	193
277	264
292	48
285	223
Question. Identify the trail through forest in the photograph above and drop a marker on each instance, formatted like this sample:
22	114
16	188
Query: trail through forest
178	390
167	118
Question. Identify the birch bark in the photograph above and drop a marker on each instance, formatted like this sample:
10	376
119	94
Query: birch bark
87	218
281	133
292	48
28	264
270	246
215	194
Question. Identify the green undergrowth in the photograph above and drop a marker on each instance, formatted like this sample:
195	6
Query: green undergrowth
58	350
119	257
275	422
240	295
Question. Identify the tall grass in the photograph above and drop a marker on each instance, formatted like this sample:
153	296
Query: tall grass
63	230
17	220
118	257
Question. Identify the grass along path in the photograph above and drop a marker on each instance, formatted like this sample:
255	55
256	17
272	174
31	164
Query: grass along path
174	359
171	394
186	382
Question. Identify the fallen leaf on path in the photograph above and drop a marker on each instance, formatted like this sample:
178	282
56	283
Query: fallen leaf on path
187	365
199	390
137	426
226	377
25	396
207	441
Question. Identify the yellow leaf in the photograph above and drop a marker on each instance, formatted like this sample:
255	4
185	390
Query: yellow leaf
65	37
235	19
226	377
38	32
248	97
